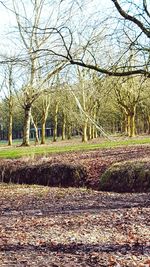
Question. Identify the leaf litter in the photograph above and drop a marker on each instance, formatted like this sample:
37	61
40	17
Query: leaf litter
43	226
55	227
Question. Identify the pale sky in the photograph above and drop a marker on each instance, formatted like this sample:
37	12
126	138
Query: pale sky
7	18
7	21
94	12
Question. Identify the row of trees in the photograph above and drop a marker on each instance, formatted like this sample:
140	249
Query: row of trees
92	106
51	36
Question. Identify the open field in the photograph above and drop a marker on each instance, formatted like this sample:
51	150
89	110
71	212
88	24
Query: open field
17	151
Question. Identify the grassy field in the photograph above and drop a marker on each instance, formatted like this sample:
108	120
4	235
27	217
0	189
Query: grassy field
17	151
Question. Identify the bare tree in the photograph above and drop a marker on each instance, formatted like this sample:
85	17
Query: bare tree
128	95
34	122
8	92
45	109
131	31
32	41
10	101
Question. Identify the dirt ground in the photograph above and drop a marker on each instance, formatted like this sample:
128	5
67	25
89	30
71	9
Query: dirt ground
43	226
57	227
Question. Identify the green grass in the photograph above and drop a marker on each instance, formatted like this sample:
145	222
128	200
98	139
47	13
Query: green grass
33	151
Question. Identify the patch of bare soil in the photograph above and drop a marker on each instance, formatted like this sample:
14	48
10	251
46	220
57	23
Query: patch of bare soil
55	227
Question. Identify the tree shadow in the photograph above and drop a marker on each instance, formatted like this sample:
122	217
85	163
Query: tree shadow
92	204
73	248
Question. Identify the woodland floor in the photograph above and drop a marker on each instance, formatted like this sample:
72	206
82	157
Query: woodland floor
55	227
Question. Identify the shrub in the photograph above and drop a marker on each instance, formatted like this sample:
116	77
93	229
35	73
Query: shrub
129	176
60	174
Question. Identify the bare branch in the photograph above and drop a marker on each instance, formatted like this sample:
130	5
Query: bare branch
109	72
131	18
146	8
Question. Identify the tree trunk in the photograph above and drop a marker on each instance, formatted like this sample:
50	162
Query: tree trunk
145	124
93	126
95	133
149	128
36	134
55	123
69	132
43	132
89	131
10	122
26	126
148	124
36	130
84	131
133	129
131	125
44	118
64	128
126	125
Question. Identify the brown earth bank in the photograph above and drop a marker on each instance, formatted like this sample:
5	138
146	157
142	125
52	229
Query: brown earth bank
69	169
